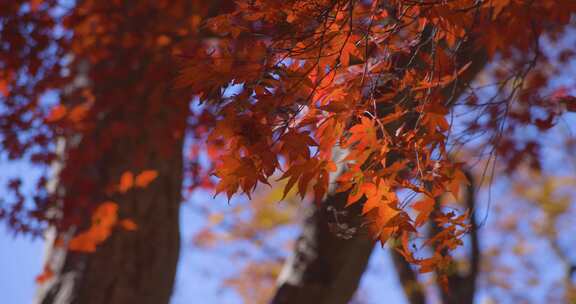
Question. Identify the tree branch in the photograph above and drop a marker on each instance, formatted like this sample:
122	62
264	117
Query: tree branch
462	286
408	278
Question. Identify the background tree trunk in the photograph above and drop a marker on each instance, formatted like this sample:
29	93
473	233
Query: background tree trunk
461	284
327	264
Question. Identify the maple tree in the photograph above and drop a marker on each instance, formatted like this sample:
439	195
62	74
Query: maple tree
283	86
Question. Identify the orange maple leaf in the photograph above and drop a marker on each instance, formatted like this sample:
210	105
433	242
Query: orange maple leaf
57	113
458	179
145	178
377	196
424	208
362	134
47	274
4	88
104	219
126	181
378	219
128	224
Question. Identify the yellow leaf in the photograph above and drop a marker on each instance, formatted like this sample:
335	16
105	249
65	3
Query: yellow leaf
215	218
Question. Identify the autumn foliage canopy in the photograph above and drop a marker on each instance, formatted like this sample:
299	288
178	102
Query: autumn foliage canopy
332	96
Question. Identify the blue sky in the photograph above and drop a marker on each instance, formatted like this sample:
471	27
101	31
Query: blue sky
20	261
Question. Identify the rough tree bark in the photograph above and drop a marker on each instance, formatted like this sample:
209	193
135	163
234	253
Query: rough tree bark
326	265
131	266
137	77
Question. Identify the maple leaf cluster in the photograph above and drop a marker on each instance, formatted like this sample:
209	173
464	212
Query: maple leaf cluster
290	83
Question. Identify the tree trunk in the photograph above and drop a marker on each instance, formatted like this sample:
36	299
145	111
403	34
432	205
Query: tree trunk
131	266
408	279
327	263
137	122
